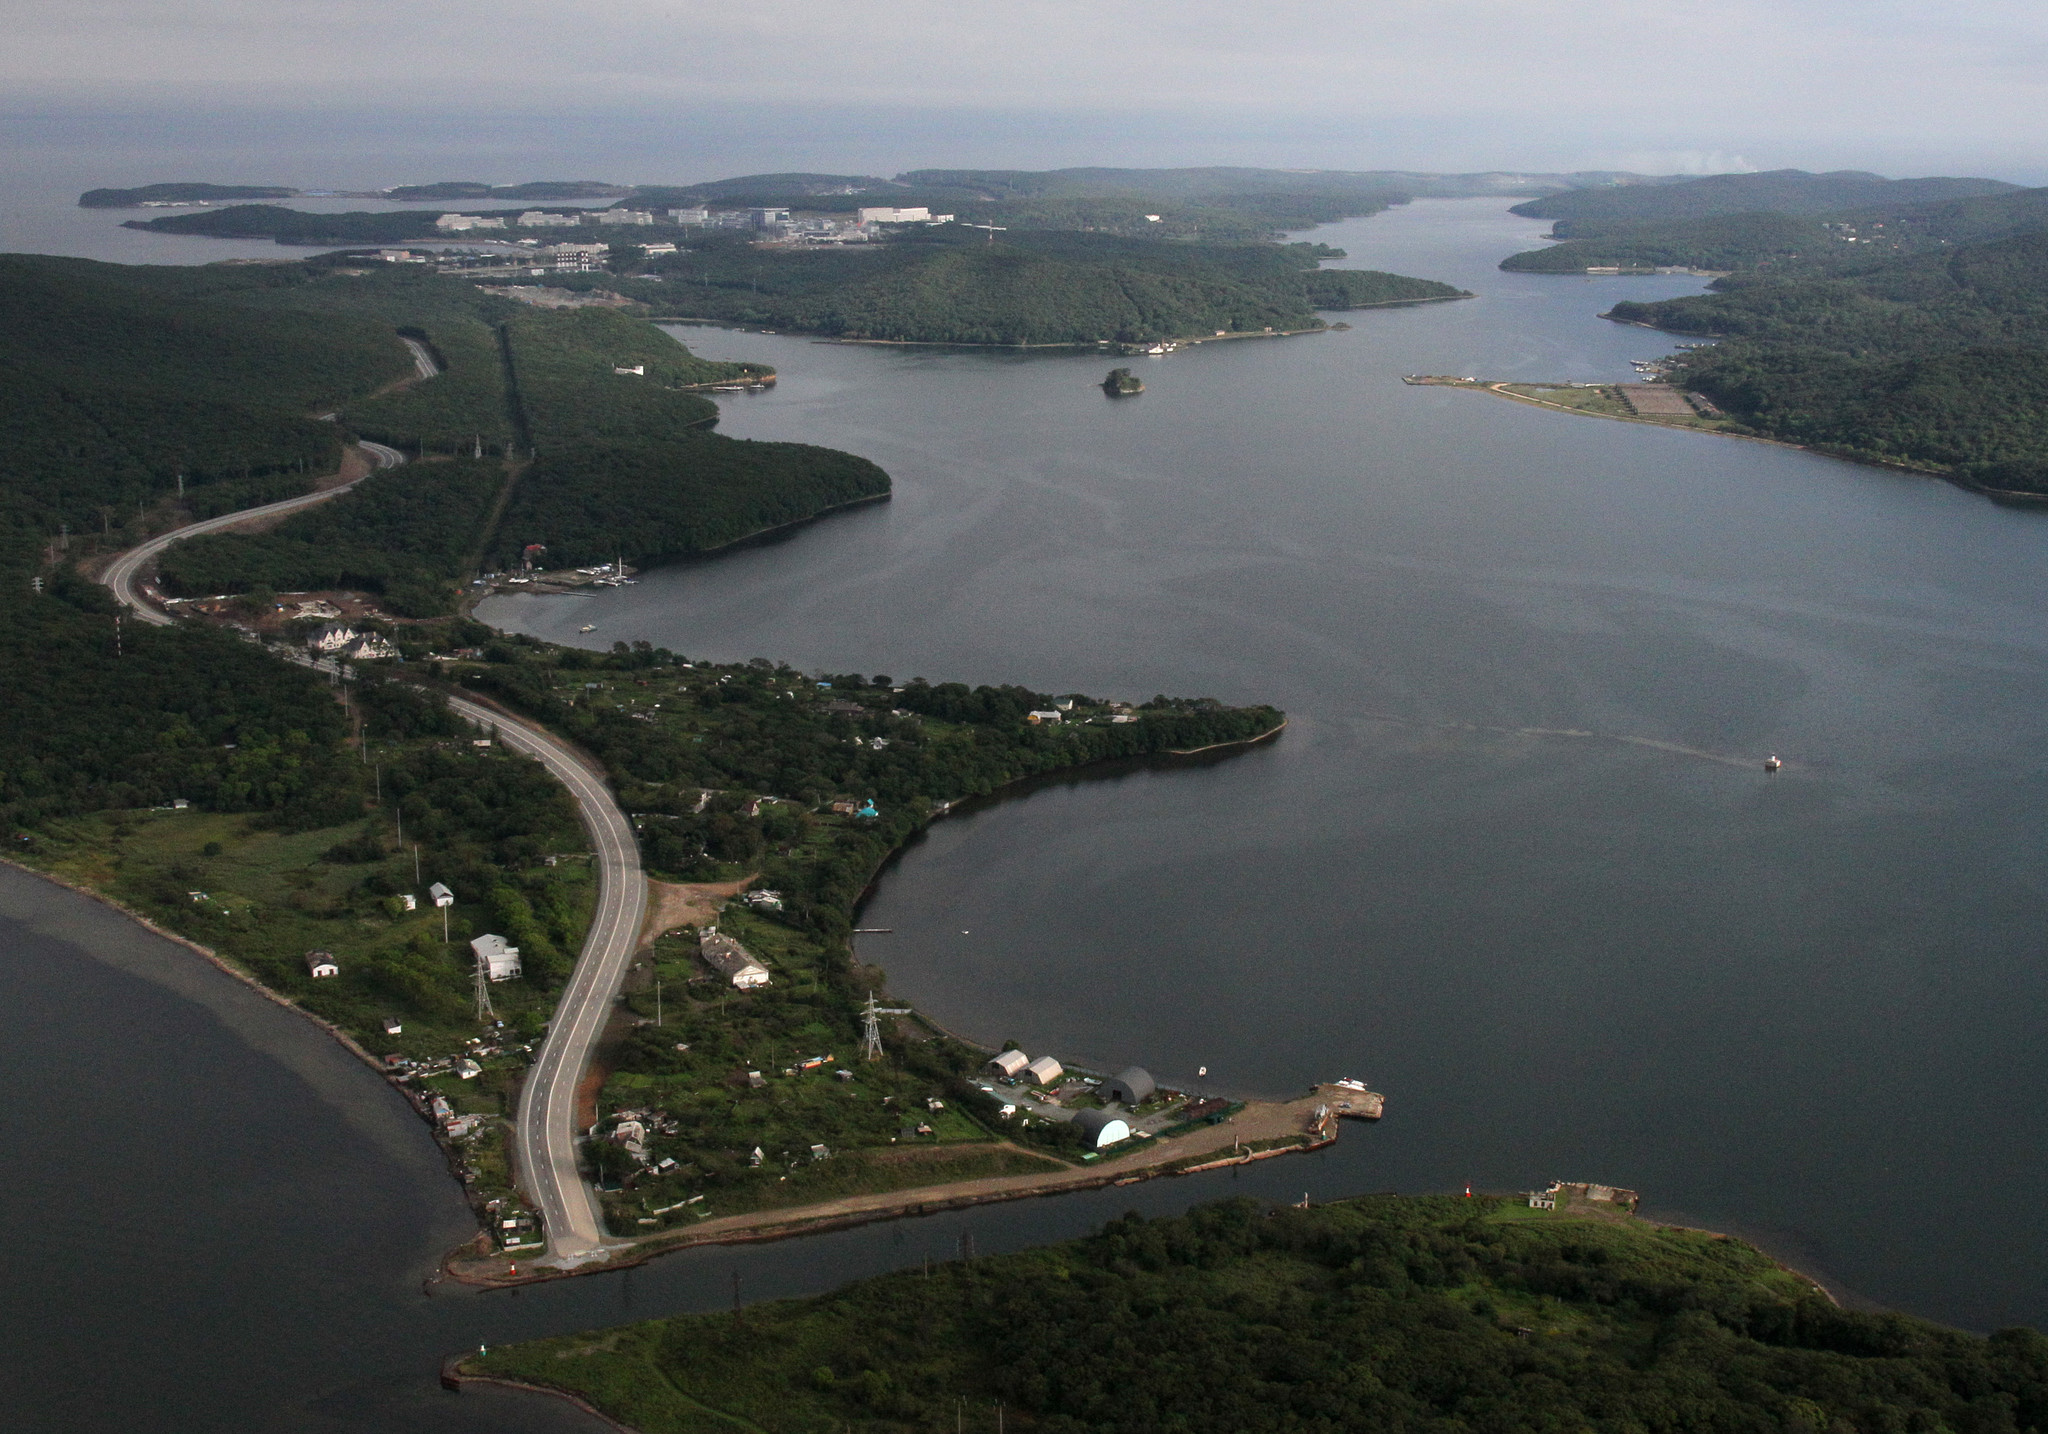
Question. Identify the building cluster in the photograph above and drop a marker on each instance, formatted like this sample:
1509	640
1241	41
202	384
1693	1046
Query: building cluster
769	220
341	640
1101	1127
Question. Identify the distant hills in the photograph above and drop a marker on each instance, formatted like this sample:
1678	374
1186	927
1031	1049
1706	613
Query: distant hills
984	186
1587	210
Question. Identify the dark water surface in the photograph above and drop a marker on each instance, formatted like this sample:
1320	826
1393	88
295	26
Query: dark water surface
1805	1007
1516	860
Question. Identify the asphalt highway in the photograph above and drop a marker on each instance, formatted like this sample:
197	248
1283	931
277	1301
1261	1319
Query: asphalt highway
125	574
544	1130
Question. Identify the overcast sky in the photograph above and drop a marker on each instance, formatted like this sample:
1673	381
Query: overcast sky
1902	86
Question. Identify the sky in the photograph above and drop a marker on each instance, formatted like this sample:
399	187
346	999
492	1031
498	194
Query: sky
395	91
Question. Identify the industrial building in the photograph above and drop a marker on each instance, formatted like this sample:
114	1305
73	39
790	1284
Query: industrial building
1101	1127
1044	1071
1132	1087
731	960
1009	1064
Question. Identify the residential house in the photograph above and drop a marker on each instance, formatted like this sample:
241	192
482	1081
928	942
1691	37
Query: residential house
498	960
321	964
332	638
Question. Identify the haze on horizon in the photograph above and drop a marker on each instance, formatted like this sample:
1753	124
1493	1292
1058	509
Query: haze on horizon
386	92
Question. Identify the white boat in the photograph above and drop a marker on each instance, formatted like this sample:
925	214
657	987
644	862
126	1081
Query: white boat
588	627
1771	763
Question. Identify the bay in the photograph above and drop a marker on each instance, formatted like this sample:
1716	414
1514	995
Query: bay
1516	859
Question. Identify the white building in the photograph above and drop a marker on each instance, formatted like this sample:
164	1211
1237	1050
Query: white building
441	894
618	216
370	648
731	960
696	217
541	219
918	215
1100	1127
499	961
332	638
1044	1071
321	964
456	223
1009	1064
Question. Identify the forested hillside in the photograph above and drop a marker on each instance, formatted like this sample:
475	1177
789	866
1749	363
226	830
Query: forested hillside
1422	1316
605	463
1938	359
1780	191
1033	287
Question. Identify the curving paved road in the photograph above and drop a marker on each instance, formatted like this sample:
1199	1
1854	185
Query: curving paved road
124	575
544	1133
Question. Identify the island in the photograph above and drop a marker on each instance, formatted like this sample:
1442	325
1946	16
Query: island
1121	383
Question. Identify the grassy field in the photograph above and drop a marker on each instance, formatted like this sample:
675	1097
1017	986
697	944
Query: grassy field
1605	402
262	899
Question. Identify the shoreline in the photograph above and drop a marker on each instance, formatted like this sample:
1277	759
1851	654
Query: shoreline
1291	1127
1499	389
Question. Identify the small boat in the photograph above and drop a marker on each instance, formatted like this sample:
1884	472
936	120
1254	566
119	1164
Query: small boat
1771	763
592	627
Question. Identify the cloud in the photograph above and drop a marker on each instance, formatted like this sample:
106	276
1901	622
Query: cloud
1697	87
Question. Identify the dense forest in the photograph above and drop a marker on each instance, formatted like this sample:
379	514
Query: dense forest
1937	359
1778	191
1031	287
1422	1316
607	463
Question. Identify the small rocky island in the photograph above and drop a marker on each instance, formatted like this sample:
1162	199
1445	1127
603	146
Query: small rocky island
1122	382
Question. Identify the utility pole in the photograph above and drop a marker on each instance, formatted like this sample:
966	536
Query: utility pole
415	863
657	1001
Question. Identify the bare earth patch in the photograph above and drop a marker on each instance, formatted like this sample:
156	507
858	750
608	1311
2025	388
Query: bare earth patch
671	904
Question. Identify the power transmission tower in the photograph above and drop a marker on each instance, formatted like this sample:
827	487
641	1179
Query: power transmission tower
871	1021
484	1013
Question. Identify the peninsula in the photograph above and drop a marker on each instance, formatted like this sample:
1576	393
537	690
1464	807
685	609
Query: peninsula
324	774
1548	1310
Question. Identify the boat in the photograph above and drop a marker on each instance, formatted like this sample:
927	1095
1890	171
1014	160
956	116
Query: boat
588	627
1771	763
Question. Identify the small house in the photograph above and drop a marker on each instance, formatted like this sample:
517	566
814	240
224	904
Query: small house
441	894
1133	1086
498	960
1009	1064
393	1026
1044	1071
1048	715
321	964
1100	1127
467	1069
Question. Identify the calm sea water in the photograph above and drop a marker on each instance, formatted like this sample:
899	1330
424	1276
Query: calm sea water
1516	861
1804	1007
